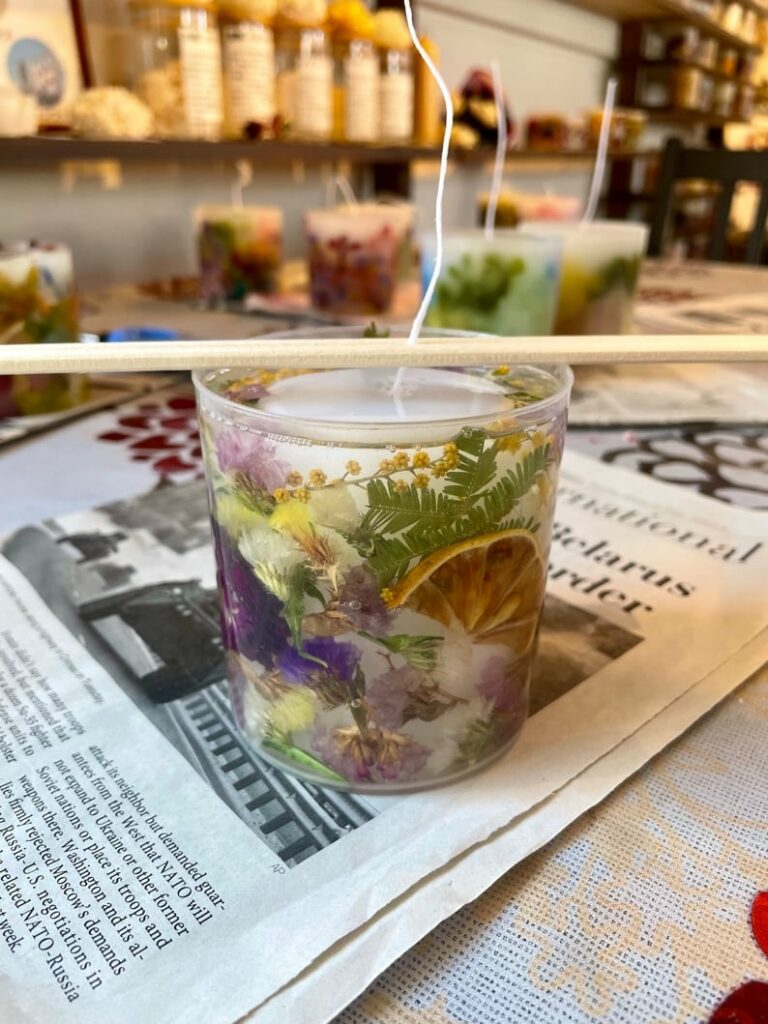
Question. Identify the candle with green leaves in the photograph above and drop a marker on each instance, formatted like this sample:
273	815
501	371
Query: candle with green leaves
382	557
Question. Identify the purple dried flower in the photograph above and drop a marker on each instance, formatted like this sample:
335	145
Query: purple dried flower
379	757
362	603
251	622
339	661
252	455
504	683
388	695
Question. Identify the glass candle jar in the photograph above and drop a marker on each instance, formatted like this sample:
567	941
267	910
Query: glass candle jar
356	87
239	250
248	56
178	72
38	304
503	285
394	44
353	254
305	75
598	280
367	649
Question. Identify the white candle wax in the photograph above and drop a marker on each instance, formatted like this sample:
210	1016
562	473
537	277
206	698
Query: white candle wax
366	396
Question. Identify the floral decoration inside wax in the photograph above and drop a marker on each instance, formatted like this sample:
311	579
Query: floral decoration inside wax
240	250
38	304
381	562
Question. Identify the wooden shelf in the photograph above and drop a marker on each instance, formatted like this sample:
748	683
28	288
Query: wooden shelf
630	10
674	115
52	149
674	64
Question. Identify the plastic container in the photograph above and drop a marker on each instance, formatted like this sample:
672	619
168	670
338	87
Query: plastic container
353	255
178	66
248	55
355	662
598	281
239	251
506	285
38	304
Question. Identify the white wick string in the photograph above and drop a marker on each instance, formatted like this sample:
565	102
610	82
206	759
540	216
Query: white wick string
602	151
501	151
244	171
421	315
344	186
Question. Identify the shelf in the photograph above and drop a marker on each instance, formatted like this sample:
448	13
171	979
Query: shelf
673	115
50	149
44	148
631	10
674	64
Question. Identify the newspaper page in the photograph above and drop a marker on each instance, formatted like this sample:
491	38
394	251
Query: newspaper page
140	831
661	395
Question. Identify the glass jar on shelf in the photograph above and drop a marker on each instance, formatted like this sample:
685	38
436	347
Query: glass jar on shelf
732	18
397	76
178	66
248	57
356	62
304	69
723	98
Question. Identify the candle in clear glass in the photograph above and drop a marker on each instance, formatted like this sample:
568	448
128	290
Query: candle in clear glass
503	285
598	280
353	254
38	303
239	251
381	561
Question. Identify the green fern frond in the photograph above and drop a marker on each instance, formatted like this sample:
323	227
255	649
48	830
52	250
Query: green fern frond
390	511
499	501
476	468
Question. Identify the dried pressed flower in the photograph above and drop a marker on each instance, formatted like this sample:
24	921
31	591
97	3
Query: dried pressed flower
440	468
294	478
281	495
317	477
386	466
421	480
420	460
353	468
400	460
400	486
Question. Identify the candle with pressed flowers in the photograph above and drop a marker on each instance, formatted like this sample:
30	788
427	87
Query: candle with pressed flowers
381	557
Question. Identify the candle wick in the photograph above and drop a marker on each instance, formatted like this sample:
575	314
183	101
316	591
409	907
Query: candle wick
602	151
421	315
501	151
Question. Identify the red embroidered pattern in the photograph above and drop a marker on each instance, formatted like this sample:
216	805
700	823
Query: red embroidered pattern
759	920
162	433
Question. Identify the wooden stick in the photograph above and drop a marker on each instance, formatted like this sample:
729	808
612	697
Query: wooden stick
345	352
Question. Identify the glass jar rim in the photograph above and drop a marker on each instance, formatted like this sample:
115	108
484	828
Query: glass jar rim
304	427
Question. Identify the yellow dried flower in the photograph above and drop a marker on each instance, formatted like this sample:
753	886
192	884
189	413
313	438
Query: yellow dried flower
450	449
354	468
512	442
317	477
386	466
295	479
301	494
421	480
281	495
538	438
451	460
400	460
420	460
440	468
501	371
544	487
388	596
400	486
267	377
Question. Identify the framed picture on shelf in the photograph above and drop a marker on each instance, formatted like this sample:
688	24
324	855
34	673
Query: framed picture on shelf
41	54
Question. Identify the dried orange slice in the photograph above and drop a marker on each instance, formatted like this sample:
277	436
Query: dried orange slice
493	585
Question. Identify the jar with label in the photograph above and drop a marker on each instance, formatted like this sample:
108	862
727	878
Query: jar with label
304	69
397	76
356	84
248	56
178	66
724	97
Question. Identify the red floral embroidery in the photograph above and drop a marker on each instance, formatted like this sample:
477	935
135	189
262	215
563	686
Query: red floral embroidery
162	433
747	1005
759	920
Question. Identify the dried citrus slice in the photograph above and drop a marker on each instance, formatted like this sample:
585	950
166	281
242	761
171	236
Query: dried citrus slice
493	585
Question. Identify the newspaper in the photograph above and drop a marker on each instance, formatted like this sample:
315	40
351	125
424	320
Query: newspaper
140	832
661	395
724	314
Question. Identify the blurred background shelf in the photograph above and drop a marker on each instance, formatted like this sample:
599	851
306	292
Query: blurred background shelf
625	10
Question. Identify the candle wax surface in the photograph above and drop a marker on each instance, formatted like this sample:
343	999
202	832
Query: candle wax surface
368	396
